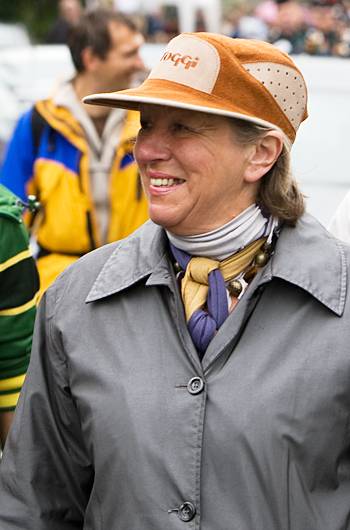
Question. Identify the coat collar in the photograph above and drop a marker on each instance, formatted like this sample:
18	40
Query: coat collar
142	255
311	258
306	256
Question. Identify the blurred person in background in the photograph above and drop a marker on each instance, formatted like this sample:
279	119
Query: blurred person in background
242	22
322	35
320	27
196	374
251	27
76	159
19	284
328	32
231	19
69	13
154	26
267	10
340	223
290	25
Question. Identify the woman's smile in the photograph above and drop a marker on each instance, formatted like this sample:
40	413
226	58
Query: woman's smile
161	182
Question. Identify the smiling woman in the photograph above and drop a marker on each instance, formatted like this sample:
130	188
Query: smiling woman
182	147
203	361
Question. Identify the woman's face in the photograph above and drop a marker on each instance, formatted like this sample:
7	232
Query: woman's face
192	170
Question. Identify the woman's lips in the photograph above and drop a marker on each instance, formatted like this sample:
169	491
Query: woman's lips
163	189
160	183
166	182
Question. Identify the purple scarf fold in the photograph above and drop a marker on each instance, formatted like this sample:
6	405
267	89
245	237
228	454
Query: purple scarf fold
204	323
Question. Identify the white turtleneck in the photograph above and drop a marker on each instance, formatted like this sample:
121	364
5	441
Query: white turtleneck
224	241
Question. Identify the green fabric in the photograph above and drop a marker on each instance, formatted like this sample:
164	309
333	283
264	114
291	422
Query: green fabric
19	283
15	327
19	368
13	233
8	392
13	238
10	205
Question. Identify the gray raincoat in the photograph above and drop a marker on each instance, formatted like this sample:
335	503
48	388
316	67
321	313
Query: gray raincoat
120	427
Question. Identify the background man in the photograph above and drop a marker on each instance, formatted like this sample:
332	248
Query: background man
78	160
69	13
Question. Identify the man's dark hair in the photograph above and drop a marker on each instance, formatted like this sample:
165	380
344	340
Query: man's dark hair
93	32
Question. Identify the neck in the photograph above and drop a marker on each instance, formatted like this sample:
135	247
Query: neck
224	241
84	85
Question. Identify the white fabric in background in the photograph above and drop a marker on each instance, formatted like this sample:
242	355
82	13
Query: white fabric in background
340	223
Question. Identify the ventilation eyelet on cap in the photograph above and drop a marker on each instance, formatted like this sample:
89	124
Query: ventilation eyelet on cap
288	97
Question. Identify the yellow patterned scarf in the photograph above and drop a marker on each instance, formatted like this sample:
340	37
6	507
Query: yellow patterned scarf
194	285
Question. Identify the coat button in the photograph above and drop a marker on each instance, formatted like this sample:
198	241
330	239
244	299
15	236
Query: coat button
195	385
186	512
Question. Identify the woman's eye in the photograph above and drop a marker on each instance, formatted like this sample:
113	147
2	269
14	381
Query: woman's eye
145	125
181	127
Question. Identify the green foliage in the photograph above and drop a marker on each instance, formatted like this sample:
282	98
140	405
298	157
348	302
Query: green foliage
36	15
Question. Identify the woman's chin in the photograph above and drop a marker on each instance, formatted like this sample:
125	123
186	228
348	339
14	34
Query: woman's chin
162	221
162	216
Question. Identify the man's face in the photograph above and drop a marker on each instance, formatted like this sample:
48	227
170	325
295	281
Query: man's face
123	61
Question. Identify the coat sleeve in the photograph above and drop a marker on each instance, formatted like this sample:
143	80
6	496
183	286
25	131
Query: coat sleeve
45	475
17	168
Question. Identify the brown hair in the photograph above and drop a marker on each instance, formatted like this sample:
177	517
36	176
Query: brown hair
278	193
93	32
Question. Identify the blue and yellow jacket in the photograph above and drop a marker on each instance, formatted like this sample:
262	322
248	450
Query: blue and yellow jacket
57	172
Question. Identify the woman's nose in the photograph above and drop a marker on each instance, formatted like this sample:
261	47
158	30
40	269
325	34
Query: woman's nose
151	146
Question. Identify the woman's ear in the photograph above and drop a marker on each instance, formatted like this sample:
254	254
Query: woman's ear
263	155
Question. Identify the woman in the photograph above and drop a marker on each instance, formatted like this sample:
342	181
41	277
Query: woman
196	373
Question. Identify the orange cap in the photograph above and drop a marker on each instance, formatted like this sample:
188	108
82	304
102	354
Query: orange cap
238	78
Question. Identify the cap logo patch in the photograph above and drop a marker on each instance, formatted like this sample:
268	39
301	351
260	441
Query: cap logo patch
189	61
177	58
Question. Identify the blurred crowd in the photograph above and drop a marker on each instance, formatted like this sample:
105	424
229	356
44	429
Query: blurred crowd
319	27
316	27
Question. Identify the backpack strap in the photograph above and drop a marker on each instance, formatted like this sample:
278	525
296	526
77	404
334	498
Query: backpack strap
38	123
